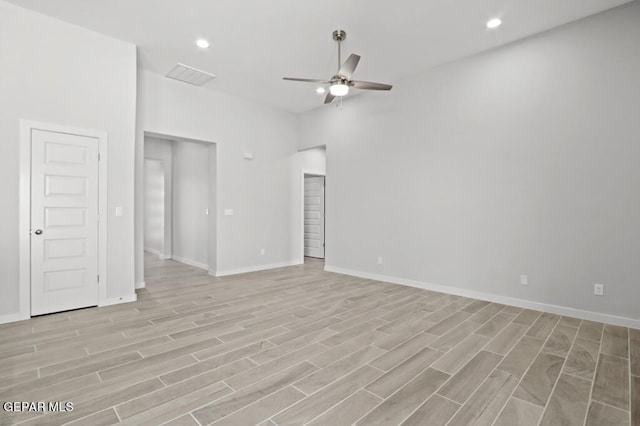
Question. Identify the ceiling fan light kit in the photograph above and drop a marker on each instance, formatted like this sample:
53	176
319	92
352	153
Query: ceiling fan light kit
339	89
340	83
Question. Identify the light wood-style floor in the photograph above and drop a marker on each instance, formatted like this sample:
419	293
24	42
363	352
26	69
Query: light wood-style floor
298	345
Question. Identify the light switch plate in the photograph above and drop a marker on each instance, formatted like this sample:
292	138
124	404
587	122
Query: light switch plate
119	211
228	212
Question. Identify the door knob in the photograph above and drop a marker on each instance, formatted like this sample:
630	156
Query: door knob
38	231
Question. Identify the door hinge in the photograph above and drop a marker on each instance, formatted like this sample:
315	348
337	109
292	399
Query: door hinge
98	217
98	278
98	156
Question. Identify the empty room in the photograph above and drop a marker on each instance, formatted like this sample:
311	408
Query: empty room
320	213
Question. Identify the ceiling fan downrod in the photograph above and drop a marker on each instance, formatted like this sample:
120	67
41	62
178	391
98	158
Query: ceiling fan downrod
339	36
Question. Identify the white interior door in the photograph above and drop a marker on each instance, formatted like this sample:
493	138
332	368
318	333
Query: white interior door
64	222
314	216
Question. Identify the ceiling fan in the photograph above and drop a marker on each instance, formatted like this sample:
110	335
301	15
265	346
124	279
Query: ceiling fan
340	83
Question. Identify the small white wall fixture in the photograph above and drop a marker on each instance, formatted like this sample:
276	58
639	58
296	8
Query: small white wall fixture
26	128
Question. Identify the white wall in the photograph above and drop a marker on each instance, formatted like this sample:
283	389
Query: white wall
190	200
60	73
154	194
261	192
162	150
314	159
522	160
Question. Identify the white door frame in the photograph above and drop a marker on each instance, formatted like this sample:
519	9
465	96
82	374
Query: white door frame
304	172
26	127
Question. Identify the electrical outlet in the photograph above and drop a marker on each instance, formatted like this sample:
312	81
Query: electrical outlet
598	289
262	251
524	280
379	260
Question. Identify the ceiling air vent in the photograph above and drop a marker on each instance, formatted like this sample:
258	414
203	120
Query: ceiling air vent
190	75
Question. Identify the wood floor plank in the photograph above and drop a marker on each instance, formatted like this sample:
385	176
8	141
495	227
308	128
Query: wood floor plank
232	403
448	323
403	351
457	357
527	317
582	358
635	400
543	326
102	418
264	408
402	404
259	372
523	353
506	339
454	336
468	378
634	351
590	330
185	420
494	325
615	341
568	402
332	372
484	406
537	383
338	352
560	341
316	404
389	341
611	384
179	407
348	411
606	415
518	412
486	313
436	411
166	394
397	377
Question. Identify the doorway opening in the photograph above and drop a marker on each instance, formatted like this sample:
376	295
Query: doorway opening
179	206
313	216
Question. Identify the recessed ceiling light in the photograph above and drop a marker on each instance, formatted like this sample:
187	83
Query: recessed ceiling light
494	23
202	43
320	90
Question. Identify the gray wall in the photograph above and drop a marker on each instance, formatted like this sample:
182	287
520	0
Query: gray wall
190	200
522	160
162	150
59	73
154	200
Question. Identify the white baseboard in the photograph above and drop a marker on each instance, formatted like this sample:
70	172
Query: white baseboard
4	319
190	262
520	303
254	268
141	284
155	252
117	300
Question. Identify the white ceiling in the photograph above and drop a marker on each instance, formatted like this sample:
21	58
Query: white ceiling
254	43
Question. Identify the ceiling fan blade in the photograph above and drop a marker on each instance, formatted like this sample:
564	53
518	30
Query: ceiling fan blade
349	66
367	85
306	80
329	98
